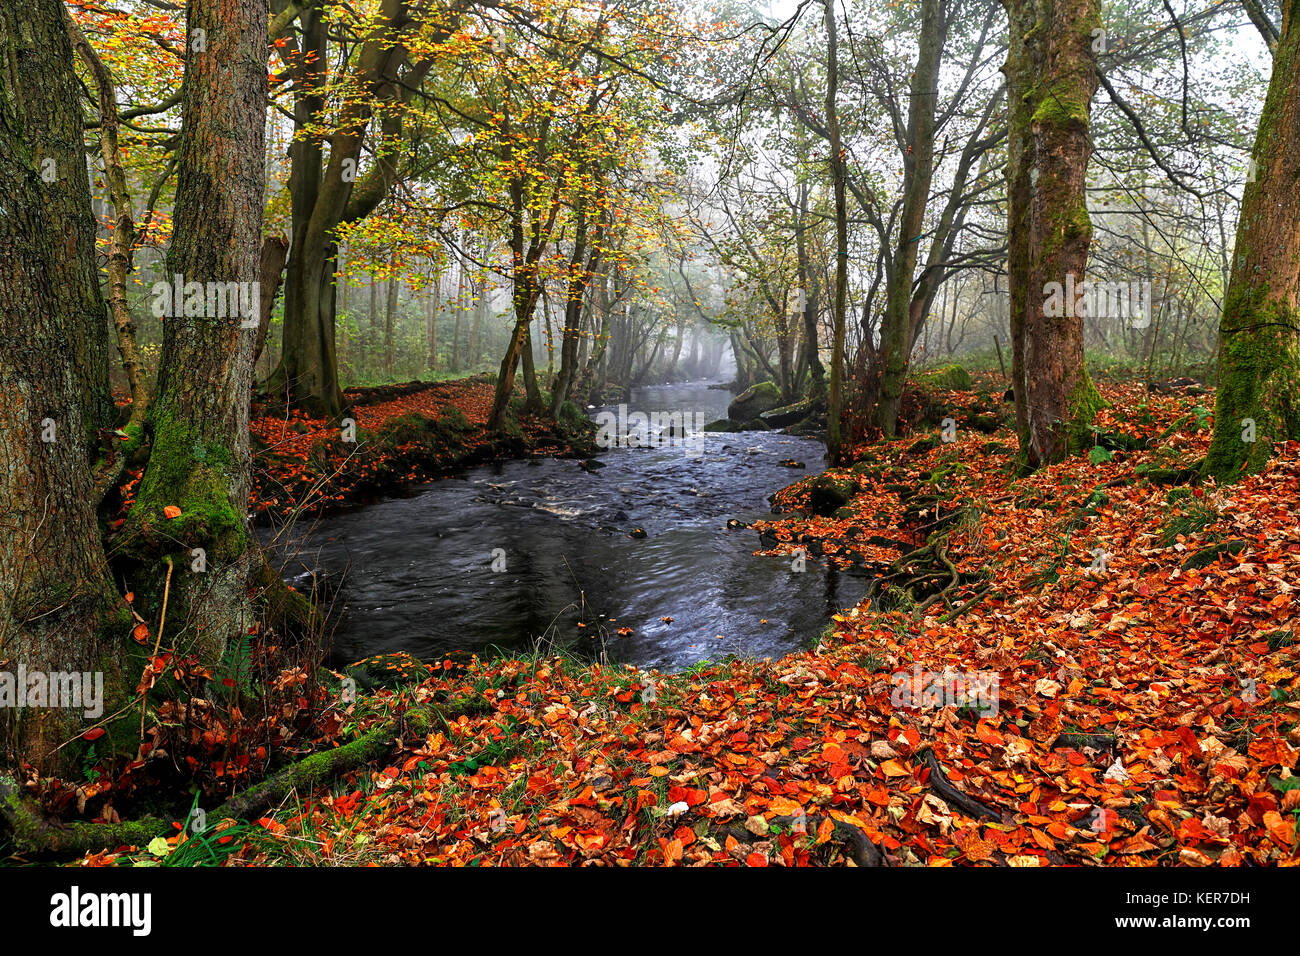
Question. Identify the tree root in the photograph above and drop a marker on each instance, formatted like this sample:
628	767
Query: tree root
951	795
32	832
859	846
1075	741
979	595
927	569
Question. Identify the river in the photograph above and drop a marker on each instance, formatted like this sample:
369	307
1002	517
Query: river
516	554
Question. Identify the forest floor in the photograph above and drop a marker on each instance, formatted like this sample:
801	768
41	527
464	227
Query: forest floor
1107	676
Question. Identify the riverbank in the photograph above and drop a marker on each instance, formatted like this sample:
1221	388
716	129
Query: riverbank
1113	641
394	438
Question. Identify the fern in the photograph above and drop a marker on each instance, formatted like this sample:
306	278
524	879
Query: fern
235	669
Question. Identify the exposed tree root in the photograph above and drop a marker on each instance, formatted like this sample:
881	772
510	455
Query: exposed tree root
951	795
961	609
1082	741
859	846
925	571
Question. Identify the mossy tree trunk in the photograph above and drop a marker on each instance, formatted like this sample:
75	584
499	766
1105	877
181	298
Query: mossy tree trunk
1258	401
199	460
1054	55
58	609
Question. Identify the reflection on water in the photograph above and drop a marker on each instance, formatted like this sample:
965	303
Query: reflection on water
510	554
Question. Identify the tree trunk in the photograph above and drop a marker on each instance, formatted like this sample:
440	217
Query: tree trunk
431	322
58	609
581	268
1060	400
1019	72
460	315
199	461
834	411
810	292
1259	334
327	193
124	234
896	323
480	309
390	313
275	250
307	375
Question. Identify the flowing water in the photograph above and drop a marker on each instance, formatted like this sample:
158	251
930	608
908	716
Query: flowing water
510	555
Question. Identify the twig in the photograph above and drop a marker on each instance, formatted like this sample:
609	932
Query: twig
162	620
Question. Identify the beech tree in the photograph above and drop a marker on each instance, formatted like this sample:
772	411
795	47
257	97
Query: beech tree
328	187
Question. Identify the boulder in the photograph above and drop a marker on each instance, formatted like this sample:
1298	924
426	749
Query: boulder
722	425
785	415
753	401
827	495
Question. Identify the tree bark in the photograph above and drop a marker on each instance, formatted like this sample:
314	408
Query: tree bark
390	313
1259	334
896	324
810	290
1060	398
199	460
275	250
583	264
835	402
1019	73
58	609
124	233
327	193
431	321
